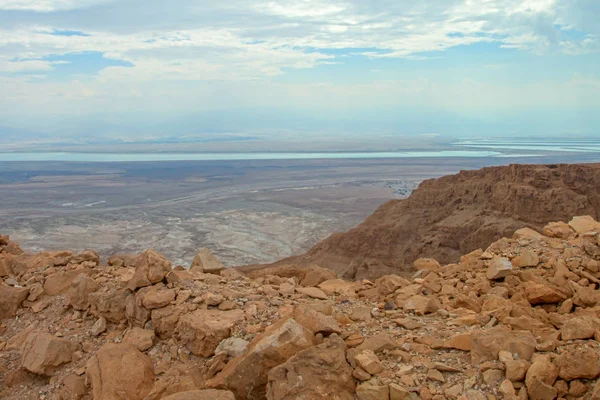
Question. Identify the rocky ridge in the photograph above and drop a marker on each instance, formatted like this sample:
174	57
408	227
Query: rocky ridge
519	319
456	214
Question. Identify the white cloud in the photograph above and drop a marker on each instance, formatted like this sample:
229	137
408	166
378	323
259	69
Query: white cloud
46	5
193	54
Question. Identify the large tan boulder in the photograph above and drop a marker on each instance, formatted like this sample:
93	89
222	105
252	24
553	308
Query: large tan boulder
578	363
11	299
315	275
527	258
485	345
206	262
150	268
142	339
165	320
203	330
246	376
136	313
109	303
120	371
313	292
559	230
123	260
538	293
89	256
319	373
540	379
158	298
577	328
5	265
206	394
80	289
389	283
315	321
427	264
584	224
60	282
498	268
43	353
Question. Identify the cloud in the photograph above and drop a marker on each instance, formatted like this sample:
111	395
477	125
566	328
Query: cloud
267	53
46	6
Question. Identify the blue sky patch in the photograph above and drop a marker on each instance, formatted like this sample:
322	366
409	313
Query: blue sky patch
69	33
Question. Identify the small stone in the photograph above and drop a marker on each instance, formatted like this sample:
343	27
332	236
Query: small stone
369	361
99	327
435	375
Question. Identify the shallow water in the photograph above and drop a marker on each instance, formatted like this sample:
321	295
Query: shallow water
124	157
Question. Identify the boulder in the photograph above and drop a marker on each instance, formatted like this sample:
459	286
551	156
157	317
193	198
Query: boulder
578	363
527	233
142	339
487	344
421	305
136	313
203	330
43	353
312	292
559	230
206	394
315	321
498	268
246	376
86	256
578	328
150	268
315	275
319	373
369	361
60	282
109	303
427	264
206	262
158	298
543	294
165	320
516	370
72	388
389	283
11	300
123	260
372	391
80	289
5	266
120	371
584	224
99	327
527	258
233	347
540	379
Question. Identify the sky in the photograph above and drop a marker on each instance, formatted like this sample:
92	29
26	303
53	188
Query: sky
141	70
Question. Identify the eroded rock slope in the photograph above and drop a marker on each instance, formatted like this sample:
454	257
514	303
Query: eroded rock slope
453	215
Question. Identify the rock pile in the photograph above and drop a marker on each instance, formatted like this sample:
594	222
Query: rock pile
517	320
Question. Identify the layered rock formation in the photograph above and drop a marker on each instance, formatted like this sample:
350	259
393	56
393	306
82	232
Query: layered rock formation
456	214
519	319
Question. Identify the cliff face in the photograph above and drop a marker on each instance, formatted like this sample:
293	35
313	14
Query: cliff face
456	214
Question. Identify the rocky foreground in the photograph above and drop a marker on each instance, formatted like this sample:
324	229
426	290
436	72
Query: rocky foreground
518	320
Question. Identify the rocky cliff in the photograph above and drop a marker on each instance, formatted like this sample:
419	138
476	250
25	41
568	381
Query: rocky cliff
520	320
453	215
